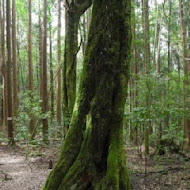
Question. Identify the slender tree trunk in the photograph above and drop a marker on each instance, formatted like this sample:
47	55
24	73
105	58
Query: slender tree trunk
4	66
169	35
9	75
130	97
59	64
167	119
1	74
96	160
15	70
135	70
45	98
146	34
64	86
71	45
51	73
30	69
73	14
158	65
146	68
186	72
158	40
156	32
40	51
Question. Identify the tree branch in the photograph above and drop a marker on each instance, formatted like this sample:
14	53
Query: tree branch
67	4
83	6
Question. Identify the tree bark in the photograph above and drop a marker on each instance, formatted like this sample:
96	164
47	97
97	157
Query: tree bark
186	72
45	98
74	10
51	72
59	64
145	13
15	70
9	74
96	160
40	51
4	70
1	64
167	118
146	35
30	69
135	58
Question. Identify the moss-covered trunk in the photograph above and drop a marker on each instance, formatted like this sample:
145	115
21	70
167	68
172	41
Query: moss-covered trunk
74	10
71	45
92	156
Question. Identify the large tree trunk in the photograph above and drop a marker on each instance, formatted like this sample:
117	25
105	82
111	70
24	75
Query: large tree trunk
97	159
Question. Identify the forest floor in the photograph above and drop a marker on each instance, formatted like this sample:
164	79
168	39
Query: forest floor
169	172
26	168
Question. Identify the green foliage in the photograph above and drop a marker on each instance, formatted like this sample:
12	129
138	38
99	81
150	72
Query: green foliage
165	101
29	107
2	138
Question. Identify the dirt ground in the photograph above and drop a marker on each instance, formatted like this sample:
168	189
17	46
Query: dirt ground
21	170
169	172
27	169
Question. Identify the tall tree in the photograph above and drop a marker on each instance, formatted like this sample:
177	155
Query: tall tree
15	71
51	69
169	35
146	61
157	59
9	74
59	64
30	67
1	74
4	71
135	70
186	61
146	35
44	81
40	47
97	160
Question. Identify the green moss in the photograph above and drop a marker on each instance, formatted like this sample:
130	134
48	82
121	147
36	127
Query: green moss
112	167
117	174
124	175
